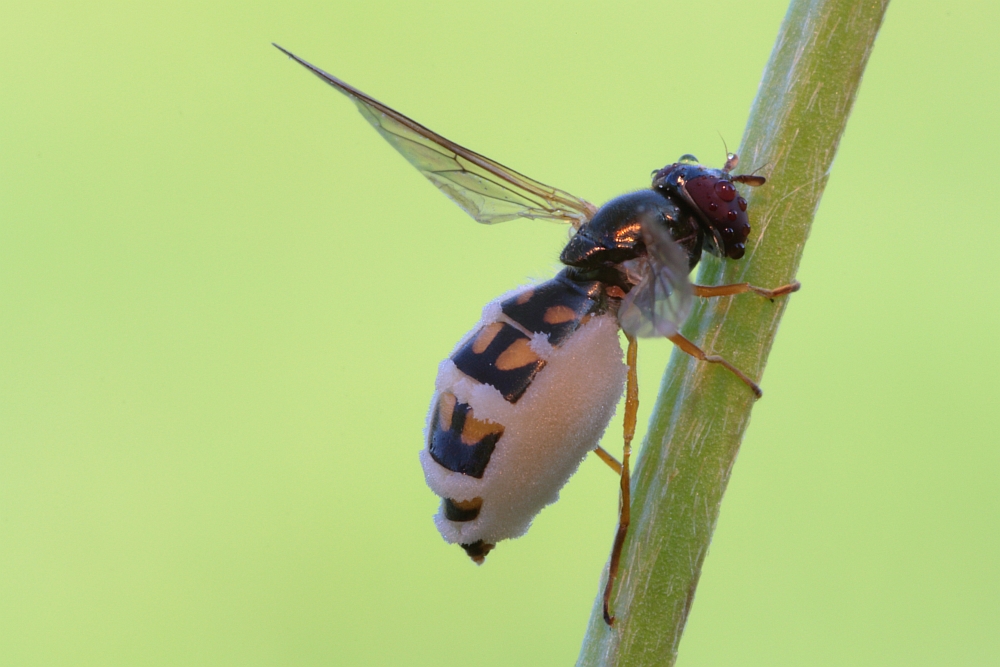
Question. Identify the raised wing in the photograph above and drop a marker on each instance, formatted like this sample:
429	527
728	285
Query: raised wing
486	190
661	301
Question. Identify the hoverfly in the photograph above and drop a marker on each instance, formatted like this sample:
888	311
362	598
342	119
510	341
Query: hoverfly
529	391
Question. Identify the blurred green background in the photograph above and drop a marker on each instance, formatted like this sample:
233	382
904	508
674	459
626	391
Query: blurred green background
223	299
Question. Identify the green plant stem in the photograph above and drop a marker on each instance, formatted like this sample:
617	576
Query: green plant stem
795	125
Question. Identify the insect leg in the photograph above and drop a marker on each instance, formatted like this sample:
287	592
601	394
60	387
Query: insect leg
610	460
741	288
631	407
696	352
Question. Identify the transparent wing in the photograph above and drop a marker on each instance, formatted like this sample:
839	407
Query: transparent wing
486	190
661	301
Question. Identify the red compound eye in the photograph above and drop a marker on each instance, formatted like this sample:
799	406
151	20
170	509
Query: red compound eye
723	216
725	190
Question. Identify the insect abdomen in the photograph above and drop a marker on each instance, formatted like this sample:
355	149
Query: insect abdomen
518	405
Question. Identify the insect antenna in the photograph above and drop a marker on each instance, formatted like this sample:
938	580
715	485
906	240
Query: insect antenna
732	159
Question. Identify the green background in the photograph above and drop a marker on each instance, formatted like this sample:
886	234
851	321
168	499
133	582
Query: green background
223	299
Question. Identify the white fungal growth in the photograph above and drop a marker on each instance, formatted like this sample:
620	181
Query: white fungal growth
547	432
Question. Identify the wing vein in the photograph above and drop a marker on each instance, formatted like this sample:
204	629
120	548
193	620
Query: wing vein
515	195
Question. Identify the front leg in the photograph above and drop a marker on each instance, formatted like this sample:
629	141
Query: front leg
742	288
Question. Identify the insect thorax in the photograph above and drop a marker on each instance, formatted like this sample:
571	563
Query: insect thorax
614	234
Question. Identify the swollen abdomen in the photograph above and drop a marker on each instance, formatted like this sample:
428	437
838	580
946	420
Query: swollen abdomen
520	402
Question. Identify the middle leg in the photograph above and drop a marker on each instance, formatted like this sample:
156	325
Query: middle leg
690	348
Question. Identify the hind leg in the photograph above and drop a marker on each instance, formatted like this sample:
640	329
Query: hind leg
631	407
690	348
612	462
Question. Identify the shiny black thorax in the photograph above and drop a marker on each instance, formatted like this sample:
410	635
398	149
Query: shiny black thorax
614	235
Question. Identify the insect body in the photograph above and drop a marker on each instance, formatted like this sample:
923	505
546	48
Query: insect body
529	391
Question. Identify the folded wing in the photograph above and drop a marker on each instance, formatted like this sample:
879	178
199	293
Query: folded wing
661	301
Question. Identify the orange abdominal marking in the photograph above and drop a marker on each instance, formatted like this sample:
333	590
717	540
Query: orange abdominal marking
499	355
446	406
519	354
486	336
559	314
475	430
467	505
466	510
